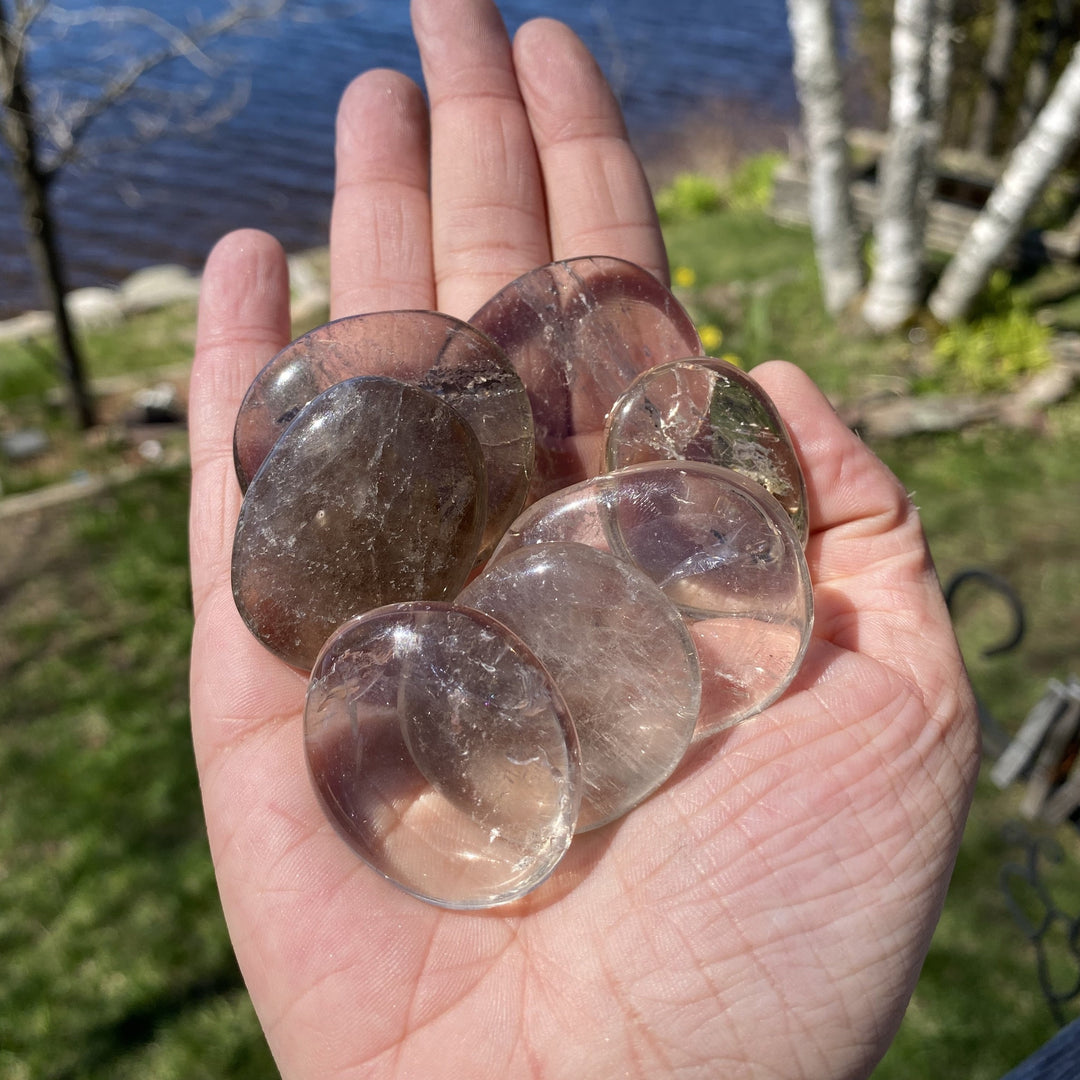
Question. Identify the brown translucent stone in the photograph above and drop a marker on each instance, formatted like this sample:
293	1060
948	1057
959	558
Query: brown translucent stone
724	552
620	654
707	410
374	494
443	753
578	332
436	352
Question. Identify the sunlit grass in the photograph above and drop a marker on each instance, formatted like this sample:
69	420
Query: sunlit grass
116	958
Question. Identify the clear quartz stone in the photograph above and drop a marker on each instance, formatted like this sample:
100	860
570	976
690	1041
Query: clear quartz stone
578	332
620	654
443	753
721	549
707	410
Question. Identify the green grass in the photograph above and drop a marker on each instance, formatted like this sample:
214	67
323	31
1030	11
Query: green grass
116	958
758	282
1004	500
31	395
154	339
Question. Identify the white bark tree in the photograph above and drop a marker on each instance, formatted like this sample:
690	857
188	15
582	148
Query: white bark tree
1048	143
832	217
921	52
921	63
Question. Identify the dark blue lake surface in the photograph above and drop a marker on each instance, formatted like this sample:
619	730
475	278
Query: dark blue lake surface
271	165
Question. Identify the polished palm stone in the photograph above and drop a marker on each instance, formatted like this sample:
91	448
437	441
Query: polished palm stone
707	410
374	494
578	332
436	352
620	654
443	753
724	553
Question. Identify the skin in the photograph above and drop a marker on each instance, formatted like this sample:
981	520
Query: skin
767	912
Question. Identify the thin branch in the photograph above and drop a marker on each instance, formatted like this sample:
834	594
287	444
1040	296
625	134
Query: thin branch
68	131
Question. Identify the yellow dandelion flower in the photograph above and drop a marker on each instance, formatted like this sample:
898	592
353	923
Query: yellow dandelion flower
684	277
731	358
711	337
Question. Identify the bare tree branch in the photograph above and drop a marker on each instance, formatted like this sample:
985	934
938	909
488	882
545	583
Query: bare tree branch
68	129
42	134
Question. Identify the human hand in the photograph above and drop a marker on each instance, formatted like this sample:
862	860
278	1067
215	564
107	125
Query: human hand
767	911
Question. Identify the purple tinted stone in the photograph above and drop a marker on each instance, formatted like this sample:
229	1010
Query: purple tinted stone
618	651
374	494
443	753
436	352
578	332
707	410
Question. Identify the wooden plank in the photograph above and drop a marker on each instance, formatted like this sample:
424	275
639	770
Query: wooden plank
1065	799
1021	753
1046	774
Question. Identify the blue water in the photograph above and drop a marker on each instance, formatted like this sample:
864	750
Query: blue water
271	164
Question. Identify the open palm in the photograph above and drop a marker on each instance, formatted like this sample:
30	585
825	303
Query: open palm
766	913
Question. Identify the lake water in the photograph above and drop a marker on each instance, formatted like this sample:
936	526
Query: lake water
271	164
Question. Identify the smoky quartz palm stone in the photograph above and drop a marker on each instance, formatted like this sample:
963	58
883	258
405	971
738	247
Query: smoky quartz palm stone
374	494
578	332
702	409
443	753
436	352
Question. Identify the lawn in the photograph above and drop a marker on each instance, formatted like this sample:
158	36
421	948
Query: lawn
117	962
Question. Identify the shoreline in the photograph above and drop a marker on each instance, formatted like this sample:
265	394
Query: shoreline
154	287
712	139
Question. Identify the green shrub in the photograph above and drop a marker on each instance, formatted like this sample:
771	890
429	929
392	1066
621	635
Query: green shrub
1003	342
688	196
751	185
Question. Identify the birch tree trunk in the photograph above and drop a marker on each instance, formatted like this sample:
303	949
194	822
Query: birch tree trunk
1030	167
832	216
905	169
995	75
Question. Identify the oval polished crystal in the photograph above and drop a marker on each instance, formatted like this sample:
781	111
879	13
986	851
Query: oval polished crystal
578	332
443	754
436	352
373	495
724	553
619	652
708	410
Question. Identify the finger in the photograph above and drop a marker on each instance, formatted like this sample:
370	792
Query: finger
380	228
598	200
875	588
488	213
848	486
243	322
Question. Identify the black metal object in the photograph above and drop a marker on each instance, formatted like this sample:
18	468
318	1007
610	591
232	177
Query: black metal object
1024	758
995	737
1027	874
